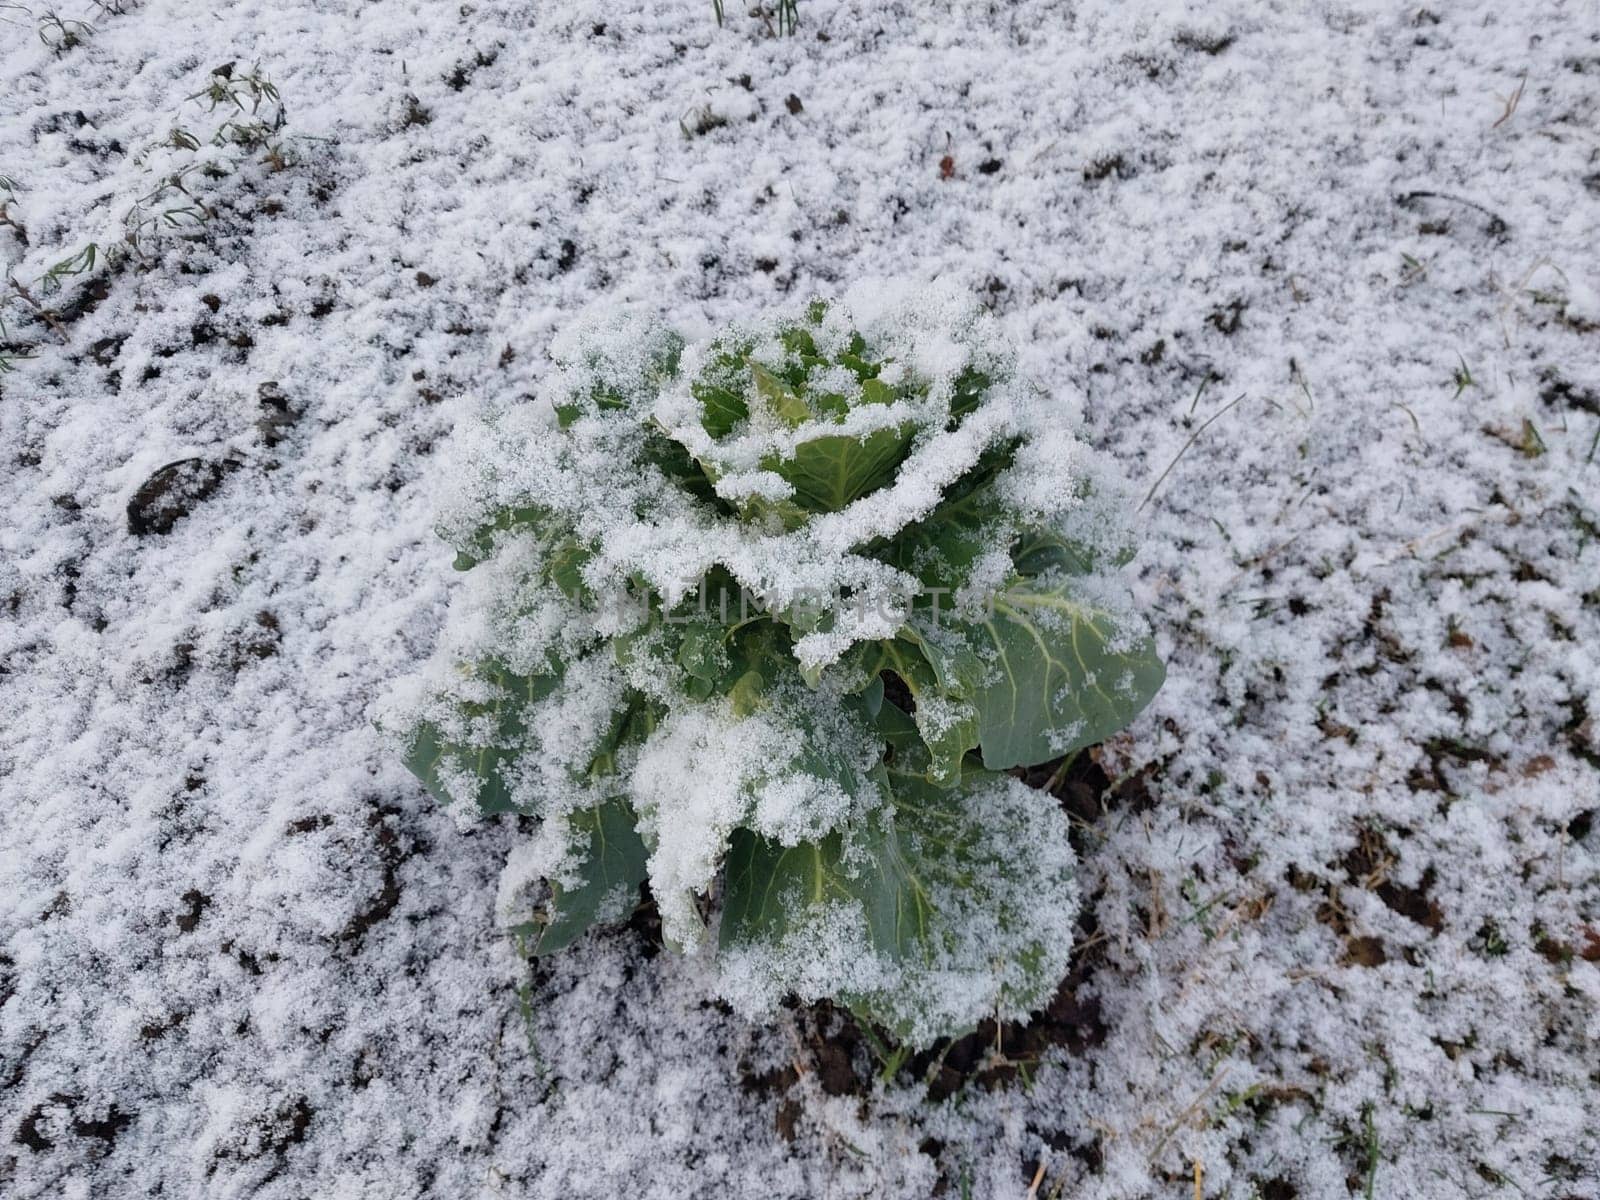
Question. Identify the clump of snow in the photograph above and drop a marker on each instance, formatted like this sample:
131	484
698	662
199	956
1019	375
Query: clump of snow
1583	301
706	771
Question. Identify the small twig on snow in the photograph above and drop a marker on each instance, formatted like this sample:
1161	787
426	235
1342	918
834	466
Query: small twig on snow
1203	427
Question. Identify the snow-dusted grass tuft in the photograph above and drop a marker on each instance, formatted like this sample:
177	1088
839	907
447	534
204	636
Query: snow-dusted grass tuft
172	189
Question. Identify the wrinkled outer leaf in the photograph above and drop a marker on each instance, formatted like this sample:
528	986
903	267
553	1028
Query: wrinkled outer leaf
479	544
430	750
1063	673
764	877
949	727
914	875
611	873
1039	551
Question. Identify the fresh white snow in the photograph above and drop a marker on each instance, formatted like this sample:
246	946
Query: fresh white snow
1350	941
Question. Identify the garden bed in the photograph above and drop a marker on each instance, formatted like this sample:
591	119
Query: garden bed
1319	280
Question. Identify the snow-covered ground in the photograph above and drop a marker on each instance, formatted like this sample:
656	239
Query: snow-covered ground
1346	935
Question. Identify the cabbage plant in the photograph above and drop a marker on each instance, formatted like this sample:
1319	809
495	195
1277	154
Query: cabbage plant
765	621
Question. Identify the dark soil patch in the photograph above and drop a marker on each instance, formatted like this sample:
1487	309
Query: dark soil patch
390	854
173	492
